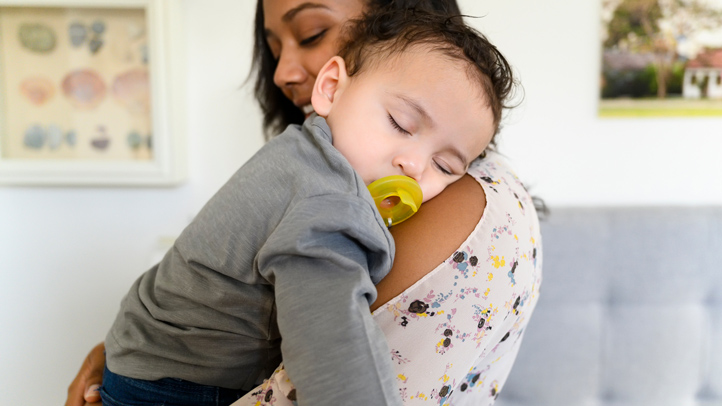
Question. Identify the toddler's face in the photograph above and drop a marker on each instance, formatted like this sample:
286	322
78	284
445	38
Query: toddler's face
419	116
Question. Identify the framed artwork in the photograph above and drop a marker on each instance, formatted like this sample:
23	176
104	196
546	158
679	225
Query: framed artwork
91	92
661	58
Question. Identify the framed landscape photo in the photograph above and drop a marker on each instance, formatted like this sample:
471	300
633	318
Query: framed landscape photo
661	58
91	92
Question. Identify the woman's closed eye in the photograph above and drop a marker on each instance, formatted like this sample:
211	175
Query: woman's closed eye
397	126
312	39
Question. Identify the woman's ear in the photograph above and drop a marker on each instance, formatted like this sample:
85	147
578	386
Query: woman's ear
330	81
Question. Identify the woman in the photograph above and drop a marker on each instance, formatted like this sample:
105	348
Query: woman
293	40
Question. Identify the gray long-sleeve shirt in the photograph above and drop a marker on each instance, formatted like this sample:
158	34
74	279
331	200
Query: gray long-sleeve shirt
291	246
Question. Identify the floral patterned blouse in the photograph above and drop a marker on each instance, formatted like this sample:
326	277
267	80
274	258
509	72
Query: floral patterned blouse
455	333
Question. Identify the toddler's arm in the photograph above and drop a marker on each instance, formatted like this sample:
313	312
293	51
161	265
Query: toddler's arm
321	260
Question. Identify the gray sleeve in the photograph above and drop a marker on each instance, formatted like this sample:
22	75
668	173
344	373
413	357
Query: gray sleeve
320	259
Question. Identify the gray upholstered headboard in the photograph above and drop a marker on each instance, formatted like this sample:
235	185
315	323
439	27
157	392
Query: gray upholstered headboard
630	311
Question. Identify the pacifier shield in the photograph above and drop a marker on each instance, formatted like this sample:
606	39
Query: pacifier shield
397	198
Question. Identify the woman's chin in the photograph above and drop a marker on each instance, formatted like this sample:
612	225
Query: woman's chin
307	110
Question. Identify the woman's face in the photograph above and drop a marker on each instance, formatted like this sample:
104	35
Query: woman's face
303	35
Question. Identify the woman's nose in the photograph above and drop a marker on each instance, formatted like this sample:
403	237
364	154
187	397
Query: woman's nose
289	71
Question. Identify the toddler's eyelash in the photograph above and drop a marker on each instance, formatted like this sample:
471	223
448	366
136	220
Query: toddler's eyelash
397	126
442	169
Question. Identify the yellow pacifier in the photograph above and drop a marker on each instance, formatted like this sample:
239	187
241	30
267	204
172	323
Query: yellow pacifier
397	197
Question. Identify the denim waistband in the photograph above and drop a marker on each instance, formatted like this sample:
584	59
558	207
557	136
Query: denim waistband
118	390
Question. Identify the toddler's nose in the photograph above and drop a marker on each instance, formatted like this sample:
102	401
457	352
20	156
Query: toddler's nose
410	165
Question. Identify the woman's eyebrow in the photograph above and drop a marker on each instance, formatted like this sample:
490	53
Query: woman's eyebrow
290	14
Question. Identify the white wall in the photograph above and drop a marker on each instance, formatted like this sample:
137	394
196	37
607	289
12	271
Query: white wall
559	146
67	255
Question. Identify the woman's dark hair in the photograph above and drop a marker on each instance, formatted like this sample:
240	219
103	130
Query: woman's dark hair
279	111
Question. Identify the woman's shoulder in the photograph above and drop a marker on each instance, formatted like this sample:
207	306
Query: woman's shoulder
428	238
490	197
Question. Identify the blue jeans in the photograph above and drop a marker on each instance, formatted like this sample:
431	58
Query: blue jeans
119	390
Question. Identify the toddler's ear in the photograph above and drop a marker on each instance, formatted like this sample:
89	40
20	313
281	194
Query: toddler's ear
330	80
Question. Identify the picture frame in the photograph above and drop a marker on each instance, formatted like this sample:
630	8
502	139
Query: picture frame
660	59
91	93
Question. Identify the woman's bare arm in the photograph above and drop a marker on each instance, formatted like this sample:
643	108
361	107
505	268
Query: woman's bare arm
432	235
